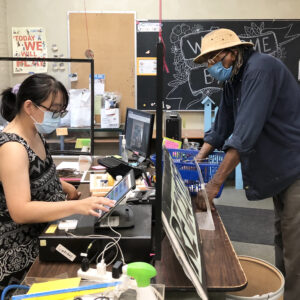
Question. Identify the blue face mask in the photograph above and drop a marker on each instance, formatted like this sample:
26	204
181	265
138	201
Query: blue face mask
48	125
219	72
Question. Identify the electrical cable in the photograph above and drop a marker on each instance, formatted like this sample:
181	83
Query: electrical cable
95	236
86	25
112	244
11	287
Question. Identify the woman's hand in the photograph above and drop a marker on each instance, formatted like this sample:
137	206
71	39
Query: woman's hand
72	193
92	205
70	190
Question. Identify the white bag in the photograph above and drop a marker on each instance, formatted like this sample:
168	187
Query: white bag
80	107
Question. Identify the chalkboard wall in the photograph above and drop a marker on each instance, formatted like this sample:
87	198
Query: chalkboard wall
187	83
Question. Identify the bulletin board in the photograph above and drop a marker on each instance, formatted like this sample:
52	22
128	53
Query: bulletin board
111	36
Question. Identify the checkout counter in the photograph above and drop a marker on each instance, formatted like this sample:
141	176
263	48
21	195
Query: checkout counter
222	269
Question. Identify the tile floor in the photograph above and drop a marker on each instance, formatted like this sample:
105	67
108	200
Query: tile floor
231	196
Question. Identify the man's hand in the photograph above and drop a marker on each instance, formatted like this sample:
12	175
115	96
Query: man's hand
212	190
205	150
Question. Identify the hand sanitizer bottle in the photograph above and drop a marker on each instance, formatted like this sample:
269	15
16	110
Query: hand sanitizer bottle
185	143
124	151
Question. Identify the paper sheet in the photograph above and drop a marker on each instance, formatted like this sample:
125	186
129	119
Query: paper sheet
54	285
68	165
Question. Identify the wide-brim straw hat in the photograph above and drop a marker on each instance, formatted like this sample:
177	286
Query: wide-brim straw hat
217	40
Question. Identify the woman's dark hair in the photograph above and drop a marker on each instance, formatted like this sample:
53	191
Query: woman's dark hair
37	88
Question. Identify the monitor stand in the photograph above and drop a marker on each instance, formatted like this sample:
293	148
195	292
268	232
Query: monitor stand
141	159
121	217
135	157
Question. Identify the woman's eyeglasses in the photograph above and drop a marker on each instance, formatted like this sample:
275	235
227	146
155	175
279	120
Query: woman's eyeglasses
55	114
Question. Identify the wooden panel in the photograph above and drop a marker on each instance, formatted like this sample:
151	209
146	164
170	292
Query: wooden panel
112	39
222	267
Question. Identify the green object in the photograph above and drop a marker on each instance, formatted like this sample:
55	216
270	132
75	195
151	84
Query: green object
141	272
82	142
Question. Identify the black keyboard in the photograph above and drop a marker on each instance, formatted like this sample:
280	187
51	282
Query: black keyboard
110	162
116	166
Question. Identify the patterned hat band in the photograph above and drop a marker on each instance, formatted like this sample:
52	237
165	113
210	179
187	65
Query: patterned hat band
15	89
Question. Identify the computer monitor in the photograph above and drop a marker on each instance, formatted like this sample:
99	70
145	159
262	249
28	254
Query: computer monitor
138	132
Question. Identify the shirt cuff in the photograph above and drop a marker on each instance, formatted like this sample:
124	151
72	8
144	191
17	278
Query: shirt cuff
235	142
211	137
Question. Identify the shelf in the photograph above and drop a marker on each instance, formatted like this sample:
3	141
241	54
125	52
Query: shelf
103	140
97	128
96	140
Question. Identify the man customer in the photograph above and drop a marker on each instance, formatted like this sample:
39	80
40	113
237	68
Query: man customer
258	124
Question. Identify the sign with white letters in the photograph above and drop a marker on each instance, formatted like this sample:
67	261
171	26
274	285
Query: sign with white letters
180	224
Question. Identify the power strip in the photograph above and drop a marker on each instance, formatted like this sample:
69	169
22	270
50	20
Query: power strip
102	275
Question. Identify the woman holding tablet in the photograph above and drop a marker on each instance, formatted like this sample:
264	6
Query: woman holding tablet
30	191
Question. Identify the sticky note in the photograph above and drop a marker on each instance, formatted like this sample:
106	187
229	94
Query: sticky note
171	144
43	243
51	228
82	142
62	131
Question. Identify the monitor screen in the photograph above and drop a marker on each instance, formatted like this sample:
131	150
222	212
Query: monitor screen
138	131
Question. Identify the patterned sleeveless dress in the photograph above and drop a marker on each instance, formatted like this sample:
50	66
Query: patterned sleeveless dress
19	242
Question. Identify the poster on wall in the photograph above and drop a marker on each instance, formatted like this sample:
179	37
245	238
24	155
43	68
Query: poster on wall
29	42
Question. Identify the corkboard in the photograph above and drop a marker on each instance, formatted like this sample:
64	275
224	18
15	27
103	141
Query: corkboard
112	39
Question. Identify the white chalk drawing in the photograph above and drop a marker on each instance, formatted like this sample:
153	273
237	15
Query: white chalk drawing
191	82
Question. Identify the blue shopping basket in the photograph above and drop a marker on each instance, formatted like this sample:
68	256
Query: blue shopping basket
184	161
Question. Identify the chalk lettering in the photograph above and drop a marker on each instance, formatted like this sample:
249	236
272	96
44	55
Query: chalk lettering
196	49
266	43
208	79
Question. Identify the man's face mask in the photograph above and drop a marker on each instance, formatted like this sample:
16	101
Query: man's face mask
218	71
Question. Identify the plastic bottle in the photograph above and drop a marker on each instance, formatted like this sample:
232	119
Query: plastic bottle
142	273
185	143
123	150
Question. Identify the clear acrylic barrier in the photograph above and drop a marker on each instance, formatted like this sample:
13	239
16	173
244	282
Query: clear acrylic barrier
129	294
